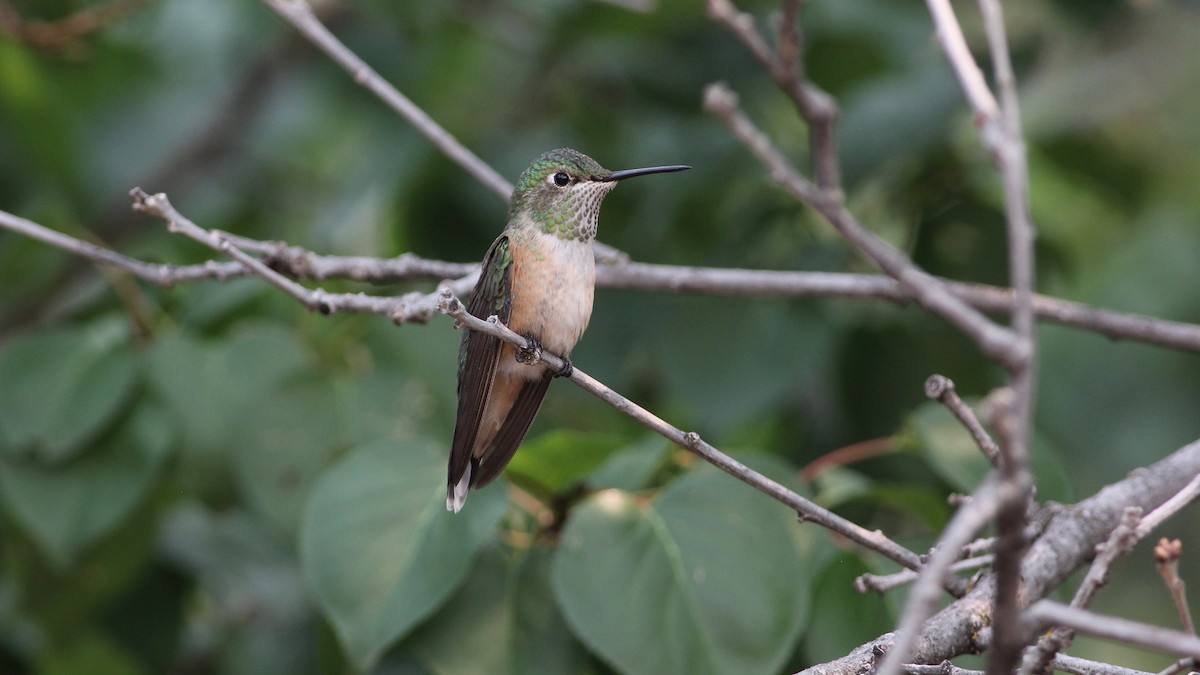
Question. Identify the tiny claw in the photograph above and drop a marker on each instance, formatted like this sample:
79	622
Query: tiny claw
531	353
567	368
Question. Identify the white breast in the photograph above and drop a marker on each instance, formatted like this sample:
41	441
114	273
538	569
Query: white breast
556	281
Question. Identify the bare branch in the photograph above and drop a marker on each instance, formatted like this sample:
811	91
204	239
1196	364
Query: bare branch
996	342
300	263
1078	666
886	582
922	600
1068	541
955	45
815	106
1000	128
1121	542
413	307
941	389
301	17
1184	664
1049	613
943	668
1170	507
1167	554
689	440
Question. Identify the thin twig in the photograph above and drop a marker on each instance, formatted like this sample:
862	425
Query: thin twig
882	583
941	389
807	510
995	341
301	17
412	307
300	263
1068	541
922	599
1167	554
1046	613
1000	129
1121	542
1189	663
785	64
1078	666
1170	507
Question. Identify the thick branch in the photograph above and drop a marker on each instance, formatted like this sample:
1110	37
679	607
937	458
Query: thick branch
1068	542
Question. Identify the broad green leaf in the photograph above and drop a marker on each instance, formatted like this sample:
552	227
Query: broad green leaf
67	507
559	459
238	564
542	642
473	632
210	386
60	388
284	447
840	484
704	579
90	654
378	547
633	467
848	619
503	619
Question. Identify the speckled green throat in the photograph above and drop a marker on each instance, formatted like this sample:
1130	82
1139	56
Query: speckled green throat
570	210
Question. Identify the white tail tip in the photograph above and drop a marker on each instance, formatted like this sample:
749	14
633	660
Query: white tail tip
456	495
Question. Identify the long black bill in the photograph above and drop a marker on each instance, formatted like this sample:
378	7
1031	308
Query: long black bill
630	173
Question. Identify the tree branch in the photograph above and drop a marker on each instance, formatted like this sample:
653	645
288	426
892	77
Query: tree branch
922	600
300	263
941	389
1068	541
301	17
690	440
995	341
1049	613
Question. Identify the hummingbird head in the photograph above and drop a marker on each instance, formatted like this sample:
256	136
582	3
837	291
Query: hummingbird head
561	192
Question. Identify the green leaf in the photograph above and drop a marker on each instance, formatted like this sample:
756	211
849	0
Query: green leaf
67	507
541	642
705	579
503	619
241	568
379	548
848	619
90	654
285	447
62	387
473	632
633	467
559	459
210	386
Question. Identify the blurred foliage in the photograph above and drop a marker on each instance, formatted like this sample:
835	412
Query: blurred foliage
209	480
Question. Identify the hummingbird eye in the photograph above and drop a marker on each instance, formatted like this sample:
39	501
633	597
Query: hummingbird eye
561	179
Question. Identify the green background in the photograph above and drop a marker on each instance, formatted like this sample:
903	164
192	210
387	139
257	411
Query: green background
211	479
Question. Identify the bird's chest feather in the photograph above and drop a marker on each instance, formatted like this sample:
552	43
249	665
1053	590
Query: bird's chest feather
552	287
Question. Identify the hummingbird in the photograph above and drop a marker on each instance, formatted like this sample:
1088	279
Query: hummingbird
538	279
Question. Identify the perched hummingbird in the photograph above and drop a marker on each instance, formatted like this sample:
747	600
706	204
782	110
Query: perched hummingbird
537	278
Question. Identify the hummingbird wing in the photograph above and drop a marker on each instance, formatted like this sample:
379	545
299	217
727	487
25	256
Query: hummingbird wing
512	431
478	354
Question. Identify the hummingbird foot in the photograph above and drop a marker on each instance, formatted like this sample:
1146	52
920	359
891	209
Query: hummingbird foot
531	353
566	369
